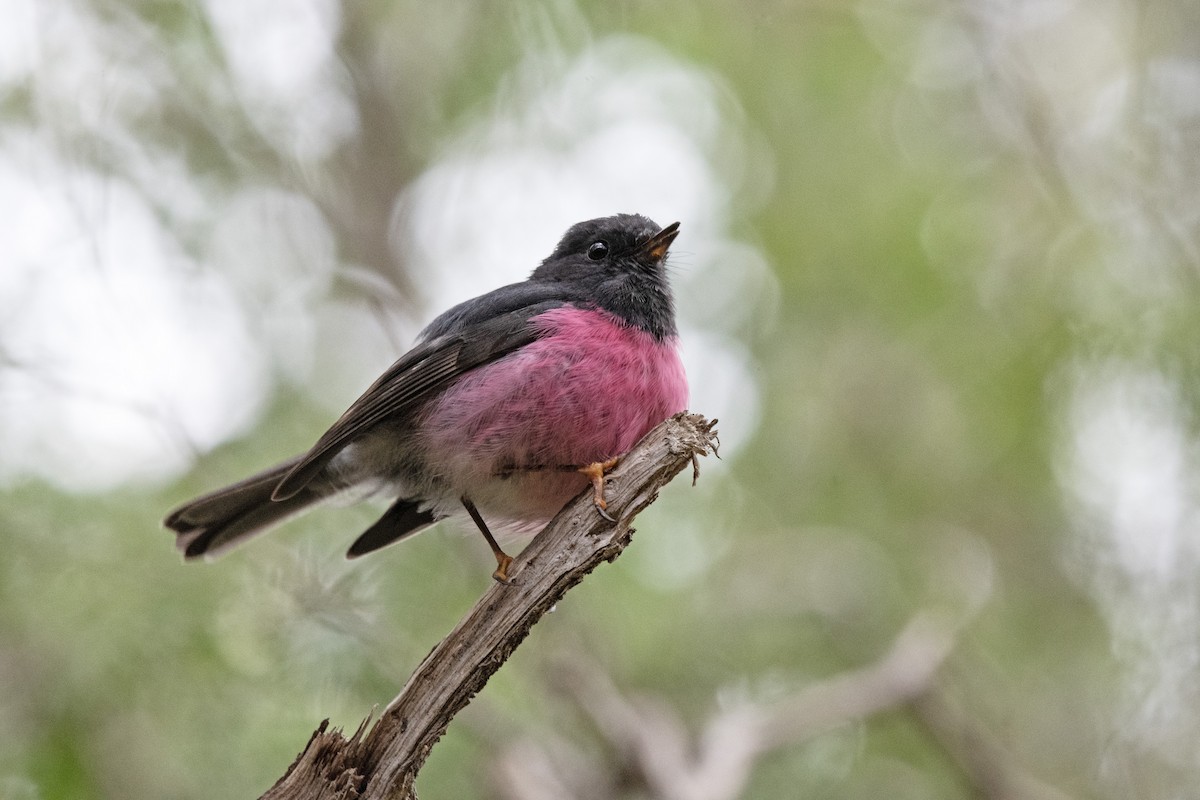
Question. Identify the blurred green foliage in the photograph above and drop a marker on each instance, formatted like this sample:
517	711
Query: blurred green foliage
973	213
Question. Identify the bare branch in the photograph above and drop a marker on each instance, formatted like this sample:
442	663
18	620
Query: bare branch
383	763
906	671
993	772
655	753
654	745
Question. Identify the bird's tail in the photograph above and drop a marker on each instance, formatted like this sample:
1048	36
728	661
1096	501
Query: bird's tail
214	522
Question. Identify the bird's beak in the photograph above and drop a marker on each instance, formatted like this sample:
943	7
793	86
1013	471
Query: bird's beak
657	245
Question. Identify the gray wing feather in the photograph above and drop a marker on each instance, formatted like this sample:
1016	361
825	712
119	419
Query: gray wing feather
415	377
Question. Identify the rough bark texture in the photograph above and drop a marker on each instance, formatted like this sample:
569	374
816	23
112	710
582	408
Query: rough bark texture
383	762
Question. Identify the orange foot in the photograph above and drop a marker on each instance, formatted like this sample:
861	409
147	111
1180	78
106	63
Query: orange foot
503	559
503	562
595	473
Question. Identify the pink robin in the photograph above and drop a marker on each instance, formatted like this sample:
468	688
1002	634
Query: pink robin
507	407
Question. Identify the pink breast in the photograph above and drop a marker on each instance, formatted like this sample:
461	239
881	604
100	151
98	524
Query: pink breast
587	390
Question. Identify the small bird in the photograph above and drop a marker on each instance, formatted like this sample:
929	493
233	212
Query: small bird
507	406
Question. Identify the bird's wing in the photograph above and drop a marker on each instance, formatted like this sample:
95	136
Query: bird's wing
425	369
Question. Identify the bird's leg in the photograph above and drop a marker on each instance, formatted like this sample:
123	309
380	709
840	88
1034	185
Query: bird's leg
595	473
503	560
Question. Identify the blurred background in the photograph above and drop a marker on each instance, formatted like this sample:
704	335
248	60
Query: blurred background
938	278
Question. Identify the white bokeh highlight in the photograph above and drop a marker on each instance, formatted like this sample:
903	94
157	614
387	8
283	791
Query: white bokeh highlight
117	350
1132	471
286	72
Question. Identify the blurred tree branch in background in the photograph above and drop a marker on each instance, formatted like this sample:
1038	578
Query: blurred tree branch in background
991	769
652	754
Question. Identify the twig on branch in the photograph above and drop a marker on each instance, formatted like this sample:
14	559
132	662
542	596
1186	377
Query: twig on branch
383	762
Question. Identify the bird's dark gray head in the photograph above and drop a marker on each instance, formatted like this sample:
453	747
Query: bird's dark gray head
617	263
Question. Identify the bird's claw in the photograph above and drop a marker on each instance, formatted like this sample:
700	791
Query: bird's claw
503	562
595	473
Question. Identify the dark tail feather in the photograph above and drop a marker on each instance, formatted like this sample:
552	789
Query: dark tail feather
214	522
401	520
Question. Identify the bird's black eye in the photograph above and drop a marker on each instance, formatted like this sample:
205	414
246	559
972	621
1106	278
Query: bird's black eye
597	251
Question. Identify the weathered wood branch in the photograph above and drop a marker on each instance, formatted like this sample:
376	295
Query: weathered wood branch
383	762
